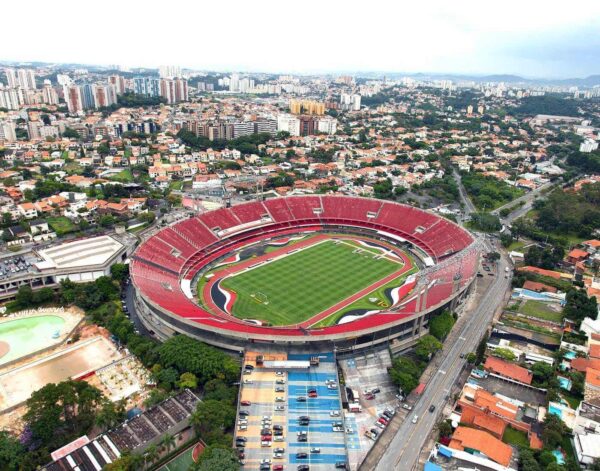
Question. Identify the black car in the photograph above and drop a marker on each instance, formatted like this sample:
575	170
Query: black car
431	408
304	417
265	467
265	431
303	467
340	465
302	438
277	427
241	439
249	367
304	423
244	413
301	456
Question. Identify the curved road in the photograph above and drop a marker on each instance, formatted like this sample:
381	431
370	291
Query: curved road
404	449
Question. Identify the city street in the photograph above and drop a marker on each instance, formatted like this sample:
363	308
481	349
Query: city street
405	447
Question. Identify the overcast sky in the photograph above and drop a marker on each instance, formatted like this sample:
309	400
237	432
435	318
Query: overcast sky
532	38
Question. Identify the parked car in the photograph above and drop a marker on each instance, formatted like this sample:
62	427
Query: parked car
245	403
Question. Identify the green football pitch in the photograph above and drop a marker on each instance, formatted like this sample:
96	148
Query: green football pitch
292	289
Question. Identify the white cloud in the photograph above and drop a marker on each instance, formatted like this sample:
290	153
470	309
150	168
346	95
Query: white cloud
306	36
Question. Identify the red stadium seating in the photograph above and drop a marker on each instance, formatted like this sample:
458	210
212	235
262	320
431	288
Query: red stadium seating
179	251
278	209
302	207
221	218
250	212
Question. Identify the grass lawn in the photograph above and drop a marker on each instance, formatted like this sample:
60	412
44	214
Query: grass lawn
61	225
516	246
176	185
124	175
571	399
515	437
541	310
298	286
365	303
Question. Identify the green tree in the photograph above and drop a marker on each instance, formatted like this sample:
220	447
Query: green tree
61	411
11	451
444	429
427	346
481	348
167	442
543	373
189	355
24	296
119	271
212	415
188	380
110	414
217	458
441	325
505	354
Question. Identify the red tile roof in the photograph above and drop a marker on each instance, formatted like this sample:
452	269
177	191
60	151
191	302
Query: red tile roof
509	370
486	443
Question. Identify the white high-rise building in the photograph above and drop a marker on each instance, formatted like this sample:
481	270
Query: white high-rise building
350	101
327	125
11	98
7	131
49	95
11	78
169	71
588	145
234	83
26	79
64	80
288	123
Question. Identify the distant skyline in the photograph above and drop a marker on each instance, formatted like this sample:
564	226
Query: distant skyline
537	39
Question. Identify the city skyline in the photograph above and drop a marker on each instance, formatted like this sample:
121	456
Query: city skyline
429	38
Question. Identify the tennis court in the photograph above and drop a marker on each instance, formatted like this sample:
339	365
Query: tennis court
183	460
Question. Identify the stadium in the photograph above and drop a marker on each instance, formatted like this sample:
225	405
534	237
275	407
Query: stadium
318	272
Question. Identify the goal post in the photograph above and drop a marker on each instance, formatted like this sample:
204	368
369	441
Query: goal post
260	297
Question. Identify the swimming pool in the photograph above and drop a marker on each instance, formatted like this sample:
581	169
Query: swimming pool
555	410
560	458
565	383
570	355
20	337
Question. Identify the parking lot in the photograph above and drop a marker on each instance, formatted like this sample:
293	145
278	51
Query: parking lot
364	373
281	420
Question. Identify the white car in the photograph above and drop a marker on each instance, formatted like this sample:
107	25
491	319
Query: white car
241	428
415	419
279	408
278	456
334	413
279	373
279	399
265	461
248	381
265	443
278	438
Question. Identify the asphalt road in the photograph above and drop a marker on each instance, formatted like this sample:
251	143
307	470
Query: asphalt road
469	206
404	449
